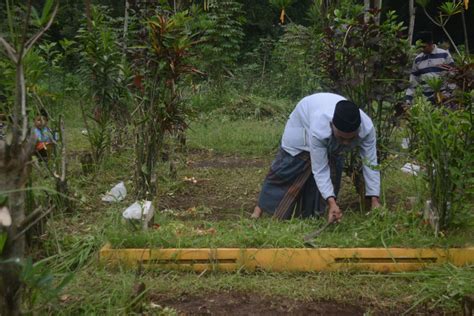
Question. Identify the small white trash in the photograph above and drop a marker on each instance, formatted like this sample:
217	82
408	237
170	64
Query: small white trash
140	210
116	194
411	168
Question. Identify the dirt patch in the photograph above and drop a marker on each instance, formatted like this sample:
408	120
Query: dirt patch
244	304
226	185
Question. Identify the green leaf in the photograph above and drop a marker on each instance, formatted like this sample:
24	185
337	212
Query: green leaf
35	16
3	240
46	11
3	199
451	8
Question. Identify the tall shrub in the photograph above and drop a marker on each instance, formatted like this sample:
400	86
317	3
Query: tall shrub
104	73
160	108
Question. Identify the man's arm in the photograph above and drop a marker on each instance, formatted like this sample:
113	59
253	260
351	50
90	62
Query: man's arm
368	153
322	176
320	166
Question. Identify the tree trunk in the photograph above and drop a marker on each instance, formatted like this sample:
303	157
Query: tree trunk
466	37
125	28
87	4
411	26
378	7
14	161
13	175
366	10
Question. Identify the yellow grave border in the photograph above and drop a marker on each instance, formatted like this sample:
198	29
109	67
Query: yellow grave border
287	259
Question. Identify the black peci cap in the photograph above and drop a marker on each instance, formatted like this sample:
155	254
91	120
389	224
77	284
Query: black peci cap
346	116
425	37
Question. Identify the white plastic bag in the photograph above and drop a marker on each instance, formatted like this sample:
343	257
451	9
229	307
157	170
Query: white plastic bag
411	168
140	210
116	194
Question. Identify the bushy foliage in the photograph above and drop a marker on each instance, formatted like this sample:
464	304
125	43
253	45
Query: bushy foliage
365	61
222	38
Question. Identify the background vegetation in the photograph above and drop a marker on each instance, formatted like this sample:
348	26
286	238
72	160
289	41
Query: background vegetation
185	101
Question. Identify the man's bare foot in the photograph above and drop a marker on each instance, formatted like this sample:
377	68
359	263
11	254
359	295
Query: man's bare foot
257	212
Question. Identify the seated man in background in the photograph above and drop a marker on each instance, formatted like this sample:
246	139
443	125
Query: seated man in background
307	170
432	62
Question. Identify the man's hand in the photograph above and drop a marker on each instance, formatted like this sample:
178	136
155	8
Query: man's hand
334	213
375	202
447	67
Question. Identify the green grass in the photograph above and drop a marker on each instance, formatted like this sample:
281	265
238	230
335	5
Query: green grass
105	292
381	228
246	137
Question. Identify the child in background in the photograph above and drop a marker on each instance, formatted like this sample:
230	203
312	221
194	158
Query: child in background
44	136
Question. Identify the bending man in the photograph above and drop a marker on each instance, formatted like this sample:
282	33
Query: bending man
306	173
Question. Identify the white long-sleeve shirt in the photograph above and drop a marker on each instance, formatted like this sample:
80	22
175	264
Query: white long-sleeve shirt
308	129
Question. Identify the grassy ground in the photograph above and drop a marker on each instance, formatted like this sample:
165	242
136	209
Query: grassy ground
228	160
380	228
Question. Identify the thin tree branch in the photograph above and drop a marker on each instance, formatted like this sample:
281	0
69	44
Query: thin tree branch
24	127
443	28
466	37
9	50
429	17
36	220
31	217
411	26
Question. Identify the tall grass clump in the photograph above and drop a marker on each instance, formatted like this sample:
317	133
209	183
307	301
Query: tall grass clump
443	146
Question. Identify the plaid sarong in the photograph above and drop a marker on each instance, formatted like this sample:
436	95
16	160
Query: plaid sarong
289	189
